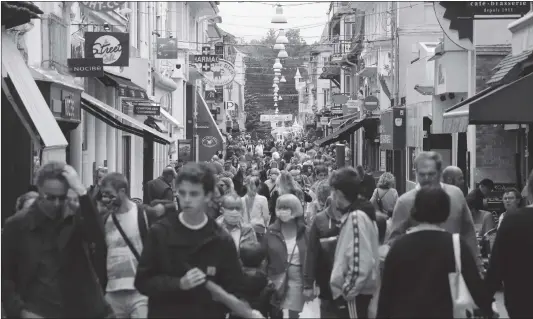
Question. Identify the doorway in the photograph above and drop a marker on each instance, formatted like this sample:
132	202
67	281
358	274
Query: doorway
148	163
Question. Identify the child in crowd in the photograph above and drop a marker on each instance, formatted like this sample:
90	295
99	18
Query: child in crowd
256	288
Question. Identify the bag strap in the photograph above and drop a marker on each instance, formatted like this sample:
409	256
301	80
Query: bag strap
457	252
125	237
142	220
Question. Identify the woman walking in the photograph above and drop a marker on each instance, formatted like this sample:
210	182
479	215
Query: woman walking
416	275
286	246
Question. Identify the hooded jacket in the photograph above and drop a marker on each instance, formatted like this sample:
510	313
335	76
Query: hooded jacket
356	266
170	251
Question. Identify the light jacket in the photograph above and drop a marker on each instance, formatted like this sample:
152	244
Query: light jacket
356	265
259	214
247	232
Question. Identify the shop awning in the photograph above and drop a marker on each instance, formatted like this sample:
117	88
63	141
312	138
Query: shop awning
171	119
344	133
126	88
508	104
455	119
115	118
20	86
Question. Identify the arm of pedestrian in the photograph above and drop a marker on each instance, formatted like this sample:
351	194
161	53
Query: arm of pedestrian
401	220
495	272
150	279
468	233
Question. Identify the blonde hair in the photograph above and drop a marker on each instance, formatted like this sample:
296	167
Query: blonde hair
289	201
386	181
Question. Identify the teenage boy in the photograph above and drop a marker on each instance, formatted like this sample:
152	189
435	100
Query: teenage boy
184	250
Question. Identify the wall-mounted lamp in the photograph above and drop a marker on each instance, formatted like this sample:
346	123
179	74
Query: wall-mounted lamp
107	27
451	96
156	34
443	98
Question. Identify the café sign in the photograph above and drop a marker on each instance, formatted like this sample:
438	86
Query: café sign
102	6
112	47
490	8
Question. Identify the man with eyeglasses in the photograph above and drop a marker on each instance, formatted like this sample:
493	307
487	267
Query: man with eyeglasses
51	256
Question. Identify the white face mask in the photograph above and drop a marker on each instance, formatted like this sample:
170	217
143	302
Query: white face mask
284	215
232	217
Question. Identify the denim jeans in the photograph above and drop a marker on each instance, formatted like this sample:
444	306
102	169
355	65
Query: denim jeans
128	304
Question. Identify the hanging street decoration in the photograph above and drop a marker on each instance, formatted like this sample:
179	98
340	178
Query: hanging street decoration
112	47
102	6
167	48
206	59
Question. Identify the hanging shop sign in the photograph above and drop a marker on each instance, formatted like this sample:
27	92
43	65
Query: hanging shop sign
102	6
220	74
112	47
324	120
84	68
209	96
340	98
146	108
219	50
230	105
167	48
185	150
371	103
392	129
491	8
206	59
276	117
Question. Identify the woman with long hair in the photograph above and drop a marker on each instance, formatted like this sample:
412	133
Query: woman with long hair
285	184
226	185
286	244
255	206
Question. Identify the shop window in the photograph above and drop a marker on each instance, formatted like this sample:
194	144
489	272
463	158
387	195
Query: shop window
56	31
411	163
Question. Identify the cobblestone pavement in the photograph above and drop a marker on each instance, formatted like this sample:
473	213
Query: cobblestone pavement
312	309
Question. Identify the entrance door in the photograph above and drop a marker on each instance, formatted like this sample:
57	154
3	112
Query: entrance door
148	162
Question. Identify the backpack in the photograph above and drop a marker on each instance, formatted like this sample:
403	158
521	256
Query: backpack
379	203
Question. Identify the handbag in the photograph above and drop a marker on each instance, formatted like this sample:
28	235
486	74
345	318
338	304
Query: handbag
461	298
281	289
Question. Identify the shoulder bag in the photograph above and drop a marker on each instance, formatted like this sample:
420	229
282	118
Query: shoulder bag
461	298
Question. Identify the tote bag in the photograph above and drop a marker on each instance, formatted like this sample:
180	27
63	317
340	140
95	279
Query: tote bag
461	298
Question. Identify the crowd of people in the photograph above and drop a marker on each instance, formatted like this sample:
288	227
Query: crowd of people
258	232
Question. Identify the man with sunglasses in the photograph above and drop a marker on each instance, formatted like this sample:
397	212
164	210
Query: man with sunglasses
52	254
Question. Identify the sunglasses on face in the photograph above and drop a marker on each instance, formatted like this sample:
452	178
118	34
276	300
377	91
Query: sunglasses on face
107	195
53	198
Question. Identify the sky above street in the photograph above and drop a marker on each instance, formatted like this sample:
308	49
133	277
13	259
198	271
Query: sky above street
251	20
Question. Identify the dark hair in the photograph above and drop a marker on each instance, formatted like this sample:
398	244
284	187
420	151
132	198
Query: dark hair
347	181
360	171
321	169
197	173
475	202
117	181
513	190
50	170
432	205
487	183
252	254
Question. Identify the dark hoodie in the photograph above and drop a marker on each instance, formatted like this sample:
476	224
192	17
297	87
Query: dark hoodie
170	251
323	237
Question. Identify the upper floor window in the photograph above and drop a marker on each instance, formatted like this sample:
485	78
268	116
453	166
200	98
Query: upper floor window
56	31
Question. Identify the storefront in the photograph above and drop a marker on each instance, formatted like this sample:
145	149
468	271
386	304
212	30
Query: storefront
35	136
392	138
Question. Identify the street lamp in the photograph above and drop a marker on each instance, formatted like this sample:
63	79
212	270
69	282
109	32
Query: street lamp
282	39
276	80
280	98
276	104
283	79
279	46
279	17
277	73
283	54
277	65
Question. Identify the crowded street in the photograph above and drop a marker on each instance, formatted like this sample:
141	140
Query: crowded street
267	160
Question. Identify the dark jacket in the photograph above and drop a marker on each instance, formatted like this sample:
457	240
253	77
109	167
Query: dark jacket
276	249
157	189
257	290
415	281
167	256
511	263
323	236
369	185
82	251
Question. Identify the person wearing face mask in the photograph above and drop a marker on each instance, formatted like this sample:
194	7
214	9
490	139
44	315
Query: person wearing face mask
231	220
286	242
50	266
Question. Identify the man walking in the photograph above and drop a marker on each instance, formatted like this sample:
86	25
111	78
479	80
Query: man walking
428	167
50	254
161	187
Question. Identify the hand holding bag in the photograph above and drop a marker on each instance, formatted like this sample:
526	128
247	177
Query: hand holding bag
461	298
